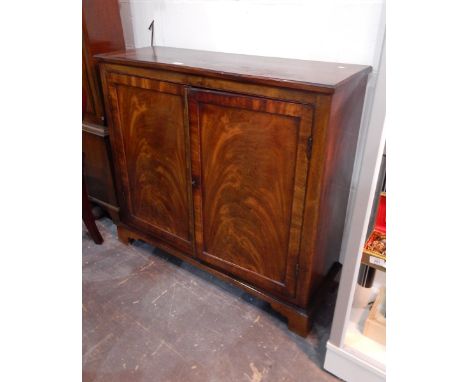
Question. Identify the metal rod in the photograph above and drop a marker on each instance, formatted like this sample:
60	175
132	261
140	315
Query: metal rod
151	28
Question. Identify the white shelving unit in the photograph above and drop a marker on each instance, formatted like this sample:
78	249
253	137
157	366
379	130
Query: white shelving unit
350	354
359	358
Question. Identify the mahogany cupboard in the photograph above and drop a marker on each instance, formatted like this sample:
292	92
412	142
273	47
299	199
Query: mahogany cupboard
101	32
240	165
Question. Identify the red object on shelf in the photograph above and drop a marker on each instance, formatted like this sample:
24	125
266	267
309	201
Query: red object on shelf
381	221
376	244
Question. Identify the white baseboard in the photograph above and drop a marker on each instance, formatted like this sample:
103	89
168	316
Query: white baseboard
350	368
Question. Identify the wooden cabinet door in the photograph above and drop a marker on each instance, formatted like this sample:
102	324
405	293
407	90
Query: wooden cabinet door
149	136
249	166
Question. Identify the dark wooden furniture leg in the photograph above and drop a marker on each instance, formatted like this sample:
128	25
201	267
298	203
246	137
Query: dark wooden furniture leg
299	320
124	235
88	217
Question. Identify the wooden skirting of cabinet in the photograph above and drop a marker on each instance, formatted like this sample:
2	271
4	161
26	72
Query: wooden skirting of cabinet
240	165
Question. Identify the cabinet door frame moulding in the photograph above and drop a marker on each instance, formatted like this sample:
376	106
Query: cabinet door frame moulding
304	117
120	155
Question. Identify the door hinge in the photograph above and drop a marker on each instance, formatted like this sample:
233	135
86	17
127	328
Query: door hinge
309	147
297	269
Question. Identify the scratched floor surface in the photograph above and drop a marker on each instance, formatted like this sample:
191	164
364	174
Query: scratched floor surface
150	317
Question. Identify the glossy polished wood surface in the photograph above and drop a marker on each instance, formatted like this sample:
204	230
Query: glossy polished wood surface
103	26
150	135
258	181
97	164
101	32
250	156
298	74
339	146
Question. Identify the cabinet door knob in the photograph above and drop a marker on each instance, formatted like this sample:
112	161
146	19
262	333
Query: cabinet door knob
194	182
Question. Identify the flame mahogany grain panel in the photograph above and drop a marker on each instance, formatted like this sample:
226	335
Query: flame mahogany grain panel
149	123
249	156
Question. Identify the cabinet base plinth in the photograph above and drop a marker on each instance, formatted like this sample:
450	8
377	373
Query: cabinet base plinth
124	235
299	320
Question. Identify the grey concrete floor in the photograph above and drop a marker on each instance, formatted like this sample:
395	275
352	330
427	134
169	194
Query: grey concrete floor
150	317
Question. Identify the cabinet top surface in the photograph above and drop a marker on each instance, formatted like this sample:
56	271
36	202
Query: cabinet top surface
298	74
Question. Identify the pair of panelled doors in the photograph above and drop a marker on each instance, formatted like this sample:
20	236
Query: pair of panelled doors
219	176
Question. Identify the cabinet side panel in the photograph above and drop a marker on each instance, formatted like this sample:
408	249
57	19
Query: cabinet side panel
340	151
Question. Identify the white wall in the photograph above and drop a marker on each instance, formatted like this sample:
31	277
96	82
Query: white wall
346	31
325	30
